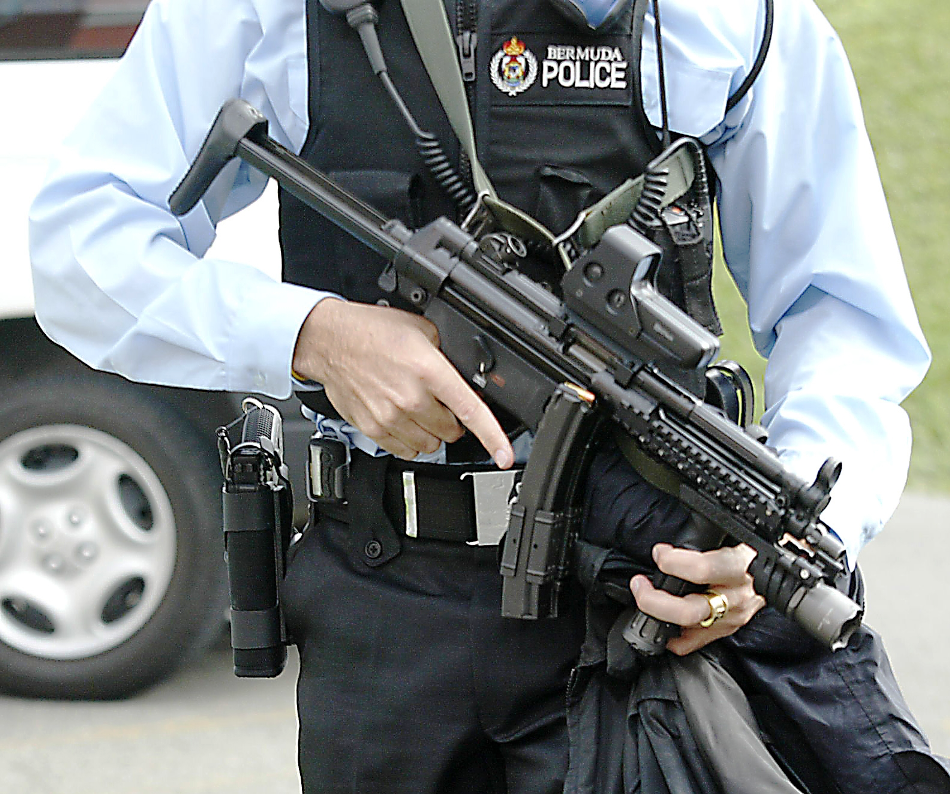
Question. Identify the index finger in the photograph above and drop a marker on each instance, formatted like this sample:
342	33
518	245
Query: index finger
726	565
472	411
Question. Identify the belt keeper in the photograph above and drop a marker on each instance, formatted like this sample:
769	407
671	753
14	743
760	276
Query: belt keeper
410	502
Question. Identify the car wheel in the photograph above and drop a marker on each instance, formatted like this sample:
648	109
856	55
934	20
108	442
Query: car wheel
111	560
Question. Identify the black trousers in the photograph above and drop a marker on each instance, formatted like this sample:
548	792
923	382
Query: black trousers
410	679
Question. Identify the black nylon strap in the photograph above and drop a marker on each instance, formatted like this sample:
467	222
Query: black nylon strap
444	503
639	12
639	112
743	89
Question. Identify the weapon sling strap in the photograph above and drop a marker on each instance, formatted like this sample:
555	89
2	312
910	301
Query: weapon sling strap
429	25
430	30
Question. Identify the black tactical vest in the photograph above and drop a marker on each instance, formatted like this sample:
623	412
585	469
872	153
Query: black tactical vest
557	116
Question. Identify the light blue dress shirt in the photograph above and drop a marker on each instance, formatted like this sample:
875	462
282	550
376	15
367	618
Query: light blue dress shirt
806	233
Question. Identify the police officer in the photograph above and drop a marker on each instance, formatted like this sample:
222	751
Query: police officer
410	680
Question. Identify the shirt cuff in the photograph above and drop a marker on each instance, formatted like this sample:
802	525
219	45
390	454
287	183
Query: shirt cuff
264	336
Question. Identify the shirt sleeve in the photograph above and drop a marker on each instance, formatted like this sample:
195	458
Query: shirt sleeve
808	238
120	281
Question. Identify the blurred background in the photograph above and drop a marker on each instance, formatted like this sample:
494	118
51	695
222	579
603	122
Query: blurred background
901	62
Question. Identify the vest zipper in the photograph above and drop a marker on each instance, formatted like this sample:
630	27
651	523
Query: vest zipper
466	39
466	13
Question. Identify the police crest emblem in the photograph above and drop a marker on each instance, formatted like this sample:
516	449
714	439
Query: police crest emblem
513	68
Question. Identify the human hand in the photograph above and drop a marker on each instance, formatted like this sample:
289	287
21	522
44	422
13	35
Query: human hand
722	570
383	371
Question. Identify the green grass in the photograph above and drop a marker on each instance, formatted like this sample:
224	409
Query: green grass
901	60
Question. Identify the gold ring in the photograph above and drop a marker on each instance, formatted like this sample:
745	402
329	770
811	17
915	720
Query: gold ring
718	607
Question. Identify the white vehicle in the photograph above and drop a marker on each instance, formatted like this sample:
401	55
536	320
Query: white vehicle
111	552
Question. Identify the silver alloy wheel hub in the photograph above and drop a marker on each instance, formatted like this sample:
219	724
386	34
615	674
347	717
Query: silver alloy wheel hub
87	542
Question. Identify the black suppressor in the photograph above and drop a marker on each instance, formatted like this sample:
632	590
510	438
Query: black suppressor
258	512
831	617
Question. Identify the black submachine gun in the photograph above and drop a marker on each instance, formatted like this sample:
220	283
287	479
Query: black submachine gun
565	367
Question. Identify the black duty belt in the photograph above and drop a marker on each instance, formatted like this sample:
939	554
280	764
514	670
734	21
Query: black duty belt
463	503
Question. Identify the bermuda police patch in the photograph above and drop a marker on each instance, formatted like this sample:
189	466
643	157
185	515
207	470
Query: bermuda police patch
584	67
559	69
513	68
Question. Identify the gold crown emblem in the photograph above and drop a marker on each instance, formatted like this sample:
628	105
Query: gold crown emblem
513	46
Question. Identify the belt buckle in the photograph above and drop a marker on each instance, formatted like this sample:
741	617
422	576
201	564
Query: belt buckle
493	490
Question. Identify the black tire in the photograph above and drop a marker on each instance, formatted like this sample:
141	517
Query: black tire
111	559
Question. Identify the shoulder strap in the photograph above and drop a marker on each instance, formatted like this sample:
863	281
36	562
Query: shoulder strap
743	89
640	9
430	29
